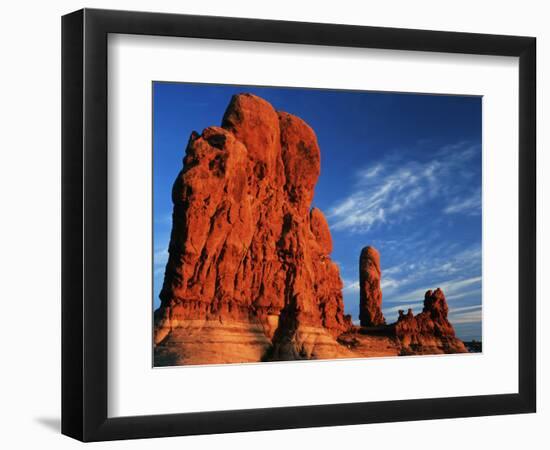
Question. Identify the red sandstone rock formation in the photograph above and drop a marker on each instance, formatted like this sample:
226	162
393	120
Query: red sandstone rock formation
249	274
370	306
430	331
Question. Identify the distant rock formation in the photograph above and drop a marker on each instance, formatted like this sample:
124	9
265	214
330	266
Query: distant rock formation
429	332
370	306
249	276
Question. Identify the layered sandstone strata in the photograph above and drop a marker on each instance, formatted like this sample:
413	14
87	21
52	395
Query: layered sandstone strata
249	260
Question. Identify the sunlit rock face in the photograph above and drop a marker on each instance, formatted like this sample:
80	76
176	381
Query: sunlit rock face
429	332
249	260
370	292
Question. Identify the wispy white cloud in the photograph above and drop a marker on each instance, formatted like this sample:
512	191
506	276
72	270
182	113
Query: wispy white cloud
466	294
465	308
429	269
389	283
468	316
351	286
470	205
408	296
373	171
452	289
394	191
381	195
396	269
386	283
160	257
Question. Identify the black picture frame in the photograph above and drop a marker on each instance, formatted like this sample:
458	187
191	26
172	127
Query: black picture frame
84	224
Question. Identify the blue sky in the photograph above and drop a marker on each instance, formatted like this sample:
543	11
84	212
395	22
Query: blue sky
401	172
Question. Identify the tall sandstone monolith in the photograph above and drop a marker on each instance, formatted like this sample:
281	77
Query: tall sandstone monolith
249	275
370	292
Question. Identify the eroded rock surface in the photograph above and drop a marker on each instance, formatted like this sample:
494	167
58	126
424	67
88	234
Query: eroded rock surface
370	292
246	250
429	332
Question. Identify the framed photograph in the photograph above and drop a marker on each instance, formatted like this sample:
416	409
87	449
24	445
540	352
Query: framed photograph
266	224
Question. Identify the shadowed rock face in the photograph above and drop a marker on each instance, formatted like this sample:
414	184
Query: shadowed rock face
249	260
430	331
370	306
